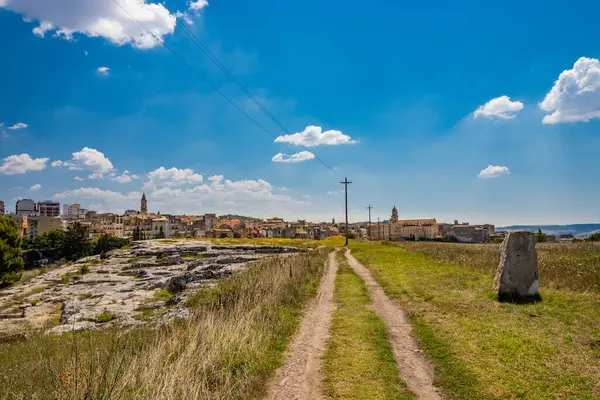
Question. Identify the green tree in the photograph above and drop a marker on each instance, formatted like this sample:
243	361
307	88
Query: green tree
161	233
50	243
11	263
77	243
540	237
594	237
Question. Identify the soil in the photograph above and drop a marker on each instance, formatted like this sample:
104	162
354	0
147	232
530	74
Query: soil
299	378
413	368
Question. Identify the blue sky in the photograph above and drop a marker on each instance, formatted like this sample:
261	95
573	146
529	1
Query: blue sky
454	111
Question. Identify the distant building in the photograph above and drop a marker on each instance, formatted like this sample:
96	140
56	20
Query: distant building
48	208
73	211
38	225
26	207
144	204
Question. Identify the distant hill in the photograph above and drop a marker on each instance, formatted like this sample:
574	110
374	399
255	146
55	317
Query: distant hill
240	217
578	230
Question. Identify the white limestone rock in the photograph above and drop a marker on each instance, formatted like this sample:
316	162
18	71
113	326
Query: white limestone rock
517	275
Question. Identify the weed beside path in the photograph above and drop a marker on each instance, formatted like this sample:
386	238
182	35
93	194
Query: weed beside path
359	363
483	349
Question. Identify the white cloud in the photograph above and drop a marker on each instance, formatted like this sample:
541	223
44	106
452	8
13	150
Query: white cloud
575	95
35	187
493	171
88	159
56	163
85	52
18	125
173	177
197	5
19	164
96	193
98	18
293	158
103	71
500	107
248	196
78	178
185	16
314	136
125	177
215	178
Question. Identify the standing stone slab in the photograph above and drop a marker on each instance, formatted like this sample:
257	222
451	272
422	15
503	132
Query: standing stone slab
517	275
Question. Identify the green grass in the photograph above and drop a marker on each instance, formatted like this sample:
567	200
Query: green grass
162	294
359	362
483	349
133	260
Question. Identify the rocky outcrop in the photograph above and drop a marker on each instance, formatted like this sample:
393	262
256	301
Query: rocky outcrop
125	283
517	276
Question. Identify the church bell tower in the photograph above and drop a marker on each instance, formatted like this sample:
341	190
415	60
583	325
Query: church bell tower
144	205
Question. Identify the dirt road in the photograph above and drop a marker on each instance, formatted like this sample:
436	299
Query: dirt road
299	378
414	369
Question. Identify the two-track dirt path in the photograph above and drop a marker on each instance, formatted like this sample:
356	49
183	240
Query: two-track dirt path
414	369
299	378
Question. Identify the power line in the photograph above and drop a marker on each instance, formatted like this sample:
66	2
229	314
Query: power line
215	88
240	86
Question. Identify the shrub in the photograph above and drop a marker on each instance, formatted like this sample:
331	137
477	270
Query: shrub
11	263
103	256
163	256
35	302
133	260
106	316
43	270
64	279
106	243
84	269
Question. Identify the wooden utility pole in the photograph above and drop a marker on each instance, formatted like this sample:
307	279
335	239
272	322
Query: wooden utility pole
345	182
369	230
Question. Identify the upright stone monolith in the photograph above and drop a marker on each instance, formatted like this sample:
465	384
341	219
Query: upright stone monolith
517	276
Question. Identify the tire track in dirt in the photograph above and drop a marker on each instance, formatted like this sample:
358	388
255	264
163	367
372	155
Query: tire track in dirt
299	378
414	369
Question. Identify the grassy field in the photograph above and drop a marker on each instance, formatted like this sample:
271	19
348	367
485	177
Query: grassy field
233	343
574	266
359	363
483	349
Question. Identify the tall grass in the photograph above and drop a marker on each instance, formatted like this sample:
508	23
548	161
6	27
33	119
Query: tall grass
227	350
573	266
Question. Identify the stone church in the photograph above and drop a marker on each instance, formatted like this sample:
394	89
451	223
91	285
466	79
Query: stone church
403	229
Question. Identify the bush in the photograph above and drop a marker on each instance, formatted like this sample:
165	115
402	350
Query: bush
103	256
106	243
35	302
84	269
43	270
11	263
105	317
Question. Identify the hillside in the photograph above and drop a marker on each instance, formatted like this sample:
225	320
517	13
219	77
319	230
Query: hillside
579	230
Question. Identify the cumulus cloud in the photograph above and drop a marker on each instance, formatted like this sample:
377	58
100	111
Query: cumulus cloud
88	159
99	18
500	107
125	177
21	163
103	71
493	171
78	178
173	177
18	125
314	136
575	95
251	196
215	178
96	193
35	187
293	158
197	5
